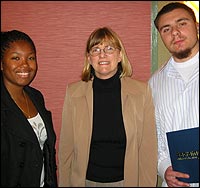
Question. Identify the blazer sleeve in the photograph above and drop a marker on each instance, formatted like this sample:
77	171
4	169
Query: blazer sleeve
66	151
148	147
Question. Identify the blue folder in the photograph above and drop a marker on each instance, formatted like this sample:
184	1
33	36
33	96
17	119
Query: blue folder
184	152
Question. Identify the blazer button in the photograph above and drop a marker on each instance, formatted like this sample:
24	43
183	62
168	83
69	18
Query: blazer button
36	165
21	165
22	144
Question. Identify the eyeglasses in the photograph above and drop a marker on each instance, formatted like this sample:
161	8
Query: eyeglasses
107	50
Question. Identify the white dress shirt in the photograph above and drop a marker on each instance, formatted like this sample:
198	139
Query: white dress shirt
176	100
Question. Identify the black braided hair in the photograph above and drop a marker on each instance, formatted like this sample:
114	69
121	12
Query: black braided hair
8	37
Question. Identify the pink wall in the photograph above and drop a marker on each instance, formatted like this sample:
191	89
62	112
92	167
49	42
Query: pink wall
60	30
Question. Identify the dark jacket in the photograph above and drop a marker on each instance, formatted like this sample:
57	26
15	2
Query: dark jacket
21	156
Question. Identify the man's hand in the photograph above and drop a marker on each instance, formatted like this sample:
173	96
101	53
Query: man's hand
171	178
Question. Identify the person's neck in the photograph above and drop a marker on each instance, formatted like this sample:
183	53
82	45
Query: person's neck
185	59
194	51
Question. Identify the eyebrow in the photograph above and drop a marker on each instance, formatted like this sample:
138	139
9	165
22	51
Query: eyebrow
97	46
177	21
31	53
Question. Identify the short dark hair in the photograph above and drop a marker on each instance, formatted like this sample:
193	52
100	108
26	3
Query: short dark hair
8	37
172	6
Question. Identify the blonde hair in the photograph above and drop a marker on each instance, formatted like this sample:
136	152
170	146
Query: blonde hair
99	36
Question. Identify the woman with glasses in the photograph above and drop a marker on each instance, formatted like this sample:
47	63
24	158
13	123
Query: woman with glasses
108	136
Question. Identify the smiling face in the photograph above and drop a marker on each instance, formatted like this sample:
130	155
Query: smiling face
105	64
19	64
179	34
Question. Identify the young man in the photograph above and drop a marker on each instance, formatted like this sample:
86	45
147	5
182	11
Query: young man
175	86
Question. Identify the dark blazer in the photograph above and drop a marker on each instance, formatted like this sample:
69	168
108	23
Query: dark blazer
21	156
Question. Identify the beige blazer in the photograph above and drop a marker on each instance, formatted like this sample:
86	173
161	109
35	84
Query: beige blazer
140	168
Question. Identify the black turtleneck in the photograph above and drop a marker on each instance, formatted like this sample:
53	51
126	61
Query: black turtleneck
107	150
